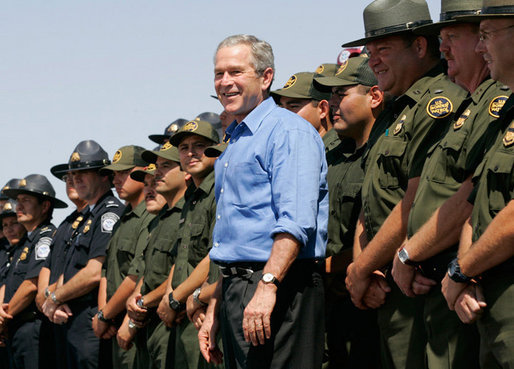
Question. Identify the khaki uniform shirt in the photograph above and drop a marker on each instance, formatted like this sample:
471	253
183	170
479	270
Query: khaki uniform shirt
344	177
160	253
196	226
331	140
121	249
417	120
457	155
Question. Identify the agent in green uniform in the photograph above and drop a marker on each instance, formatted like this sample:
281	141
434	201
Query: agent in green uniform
407	67
151	336
440	206
301	96
194	241
486	243
116	284
352	334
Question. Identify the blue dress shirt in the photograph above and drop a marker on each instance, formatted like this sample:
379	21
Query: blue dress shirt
270	179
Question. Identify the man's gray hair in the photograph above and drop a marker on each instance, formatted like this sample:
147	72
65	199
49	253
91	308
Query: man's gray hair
262	53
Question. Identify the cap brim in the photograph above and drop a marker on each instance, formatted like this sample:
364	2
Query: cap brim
14	192
334	81
158	139
215	150
291	94
117	167
149	156
179	136
139	175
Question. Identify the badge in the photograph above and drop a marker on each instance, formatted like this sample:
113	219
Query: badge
439	107
22	182
319	69
342	67
75	156
7	206
149	168
508	139
87	226
24	253
108	222
496	105
166	146
290	82
191	126
172	128
43	248
460	122
77	222
117	157
399	126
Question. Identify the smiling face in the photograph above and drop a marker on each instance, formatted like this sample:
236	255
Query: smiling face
30	211
168	176
351	110
192	159
13	230
239	88
394	63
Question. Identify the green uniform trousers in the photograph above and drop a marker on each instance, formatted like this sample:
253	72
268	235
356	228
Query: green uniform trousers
154	346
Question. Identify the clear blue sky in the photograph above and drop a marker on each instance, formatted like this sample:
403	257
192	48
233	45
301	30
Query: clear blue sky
117	71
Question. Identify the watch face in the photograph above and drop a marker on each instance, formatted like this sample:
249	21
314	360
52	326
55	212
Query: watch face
268	277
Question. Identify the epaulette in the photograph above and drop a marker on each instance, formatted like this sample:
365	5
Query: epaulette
45	230
111	204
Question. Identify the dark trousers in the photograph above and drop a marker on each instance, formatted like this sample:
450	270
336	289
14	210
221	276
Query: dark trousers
297	321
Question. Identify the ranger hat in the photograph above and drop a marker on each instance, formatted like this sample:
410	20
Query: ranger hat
139	174
126	157
36	185
215	150
12	183
384	18
59	171
166	151
88	155
196	127
355	71
8	210
327	69
451	10
168	131
300	86
492	9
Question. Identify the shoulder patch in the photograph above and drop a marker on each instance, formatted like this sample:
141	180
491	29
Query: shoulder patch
508	139
108	221
496	105
43	248
439	107
462	119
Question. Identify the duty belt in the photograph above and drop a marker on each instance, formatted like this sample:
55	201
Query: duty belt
236	271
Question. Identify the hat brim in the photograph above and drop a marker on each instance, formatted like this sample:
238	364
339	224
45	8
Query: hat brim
480	17
334	81
215	150
434	28
159	139
365	40
59	171
151	156
139	175
285	93
117	167
177	138
14	192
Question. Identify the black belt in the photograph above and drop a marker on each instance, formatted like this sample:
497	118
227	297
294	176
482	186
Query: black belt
236	271
246	269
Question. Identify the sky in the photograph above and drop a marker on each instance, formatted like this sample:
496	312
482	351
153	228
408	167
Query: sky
118	71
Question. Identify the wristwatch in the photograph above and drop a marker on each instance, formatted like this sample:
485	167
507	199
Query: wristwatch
403	255
455	274
176	305
47	292
54	299
100	316
131	324
141	303
268	278
196	297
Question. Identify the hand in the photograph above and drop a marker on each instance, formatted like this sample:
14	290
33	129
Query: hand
470	304
198	318
207	339
125	335
421	284
377	291
4	316
257	314
357	285
49	308
61	315
99	327
166	314
403	275
192	307
451	290
134	312
110	333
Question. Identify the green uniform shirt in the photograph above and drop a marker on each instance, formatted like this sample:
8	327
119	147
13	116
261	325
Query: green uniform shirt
456	156
331	140
121	248
196	226
494	177
417	120
161	252
344	177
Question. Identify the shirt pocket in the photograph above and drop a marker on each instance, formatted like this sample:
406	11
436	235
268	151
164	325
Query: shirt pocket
199	244
125	254
391	173
499	179
81	248
253	186
445	166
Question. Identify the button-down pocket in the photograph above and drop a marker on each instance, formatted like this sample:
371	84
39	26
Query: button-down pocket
161	260
444	163
199	244
392	170
499	179
125	254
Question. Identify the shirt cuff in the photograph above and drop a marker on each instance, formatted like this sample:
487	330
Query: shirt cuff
288	226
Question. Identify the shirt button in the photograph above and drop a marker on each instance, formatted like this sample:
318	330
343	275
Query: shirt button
194	202
221	190
226	165
495	168
219	216
216	244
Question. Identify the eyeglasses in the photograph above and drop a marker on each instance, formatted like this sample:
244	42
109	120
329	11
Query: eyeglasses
484	36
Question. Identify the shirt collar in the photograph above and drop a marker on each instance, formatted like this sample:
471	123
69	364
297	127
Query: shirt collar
206	186
254	119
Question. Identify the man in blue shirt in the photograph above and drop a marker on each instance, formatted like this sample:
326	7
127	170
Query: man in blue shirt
271	221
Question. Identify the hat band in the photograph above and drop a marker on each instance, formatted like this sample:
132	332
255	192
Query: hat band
498	10
446	16
397	28
88	164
